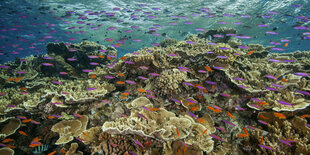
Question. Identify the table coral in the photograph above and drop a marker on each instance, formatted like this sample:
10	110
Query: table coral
68	129
9	126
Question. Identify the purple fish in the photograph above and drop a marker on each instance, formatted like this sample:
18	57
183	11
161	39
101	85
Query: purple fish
271	77
146	108
226	95
251	127
189	100
175	100
109	77
142	116
210	82
273	89
276	85
260	121
47	64
137	142
224	48
129	62
189	84
154	74
266	147
87	70
301	74
216	137
71	59
130	82
228	122
277	49
202	71
215	67
222	57
235	78
192	115
2	94
56	82
150	96
303	92
285	103
285	142
143	78
221	129
274	60
91	88
239	108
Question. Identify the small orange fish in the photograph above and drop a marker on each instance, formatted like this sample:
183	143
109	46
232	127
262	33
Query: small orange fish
251	52
230	115
118	45
123	97
195	108
212	87
36	139
262	117
26	120
286	44
141	90
199	120
109	58
154	109
208	69
242	135
125	94
63	151
126	153
52	153
120	82
85	134
11	146
199	96
122	58
246	131
23	133
120	74
34	145
262	139
50	117
184	149
283	80
179	152
7	140
304	116
178	132
23	88
10	79
279	115
205	90
210	108
263	103
217	110
204	132
101	56
92	76
18	79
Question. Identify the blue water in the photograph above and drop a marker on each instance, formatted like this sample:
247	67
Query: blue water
28	25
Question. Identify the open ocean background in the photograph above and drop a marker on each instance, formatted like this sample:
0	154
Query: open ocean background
28	25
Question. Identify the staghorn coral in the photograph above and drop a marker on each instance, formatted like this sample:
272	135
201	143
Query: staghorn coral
161	124
68	129
9	126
